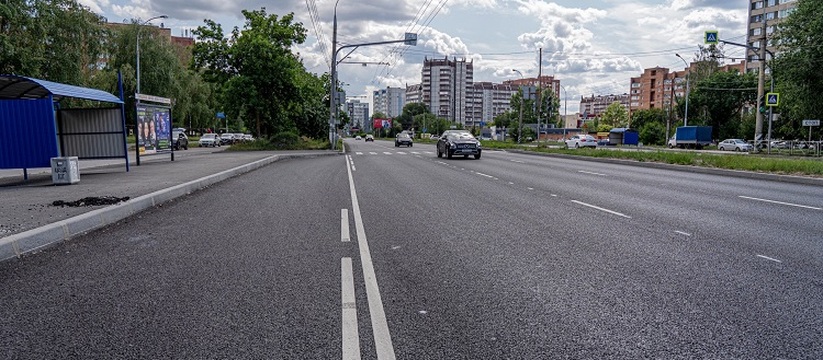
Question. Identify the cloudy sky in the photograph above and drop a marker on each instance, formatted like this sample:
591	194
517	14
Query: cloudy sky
593	47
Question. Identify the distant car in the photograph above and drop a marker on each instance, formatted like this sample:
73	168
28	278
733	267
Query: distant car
458	142
433	137
369	137
179	140
403	139
248	137
358	137
579	141
734	144
209	140
226	138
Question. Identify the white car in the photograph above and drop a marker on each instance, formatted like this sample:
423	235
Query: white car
579	141
209	140
734	144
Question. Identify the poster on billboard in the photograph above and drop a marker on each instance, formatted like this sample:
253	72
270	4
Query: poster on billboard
153	128
382	123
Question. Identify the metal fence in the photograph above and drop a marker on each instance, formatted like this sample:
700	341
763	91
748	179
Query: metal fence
790	147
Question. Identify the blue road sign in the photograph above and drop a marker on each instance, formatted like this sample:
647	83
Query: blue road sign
711	37
772	99
221	115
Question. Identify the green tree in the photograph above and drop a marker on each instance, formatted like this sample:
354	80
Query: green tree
259	71
55	40
797	69
651	125
615	115
718	101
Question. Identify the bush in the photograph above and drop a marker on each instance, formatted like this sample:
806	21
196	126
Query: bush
285	140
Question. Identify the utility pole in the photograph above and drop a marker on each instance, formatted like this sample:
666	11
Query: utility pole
761	86
333	85
539	93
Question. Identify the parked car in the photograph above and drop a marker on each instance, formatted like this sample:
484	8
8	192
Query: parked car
209	140
369	137
458	142
403	139
179	140
248	137
433	137
358	137
734	144
579	141
226	138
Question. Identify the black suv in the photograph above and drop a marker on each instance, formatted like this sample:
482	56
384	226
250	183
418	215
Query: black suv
458	142
179	140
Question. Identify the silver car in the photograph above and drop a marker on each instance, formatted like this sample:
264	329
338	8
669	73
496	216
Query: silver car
734	145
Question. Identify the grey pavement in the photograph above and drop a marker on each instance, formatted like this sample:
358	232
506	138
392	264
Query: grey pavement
29	220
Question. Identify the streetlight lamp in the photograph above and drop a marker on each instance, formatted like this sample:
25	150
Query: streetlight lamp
689	71
139	25
522	99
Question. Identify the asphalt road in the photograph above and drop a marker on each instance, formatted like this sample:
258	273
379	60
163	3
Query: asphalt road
391	252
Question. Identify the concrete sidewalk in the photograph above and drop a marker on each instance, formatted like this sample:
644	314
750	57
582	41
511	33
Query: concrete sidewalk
30	221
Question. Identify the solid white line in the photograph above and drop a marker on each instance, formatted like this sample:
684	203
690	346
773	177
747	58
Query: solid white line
380	327
344	225
601	209
592	173
682	233
768	258
351	337
781	203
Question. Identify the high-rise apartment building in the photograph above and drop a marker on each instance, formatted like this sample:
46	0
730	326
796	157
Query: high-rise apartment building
490	99
389	101
764	15
447	88
359	114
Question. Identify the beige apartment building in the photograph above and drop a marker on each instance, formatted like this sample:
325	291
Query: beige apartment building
764	15
595	105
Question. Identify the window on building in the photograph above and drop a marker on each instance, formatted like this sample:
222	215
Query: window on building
756	19
756	31
770	29
771	2
757	5
771	15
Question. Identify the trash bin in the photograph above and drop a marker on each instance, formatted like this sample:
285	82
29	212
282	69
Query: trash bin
65	170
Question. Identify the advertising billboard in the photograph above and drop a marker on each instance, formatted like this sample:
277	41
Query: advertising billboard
153	128
382	123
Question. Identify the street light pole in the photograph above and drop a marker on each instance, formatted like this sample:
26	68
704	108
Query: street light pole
333	85
565	103
688	73
522	99
139	25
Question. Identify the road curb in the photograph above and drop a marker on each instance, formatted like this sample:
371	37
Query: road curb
804	180
16	245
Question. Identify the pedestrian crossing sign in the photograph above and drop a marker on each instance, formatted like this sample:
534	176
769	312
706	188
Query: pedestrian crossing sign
772	99
711	37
